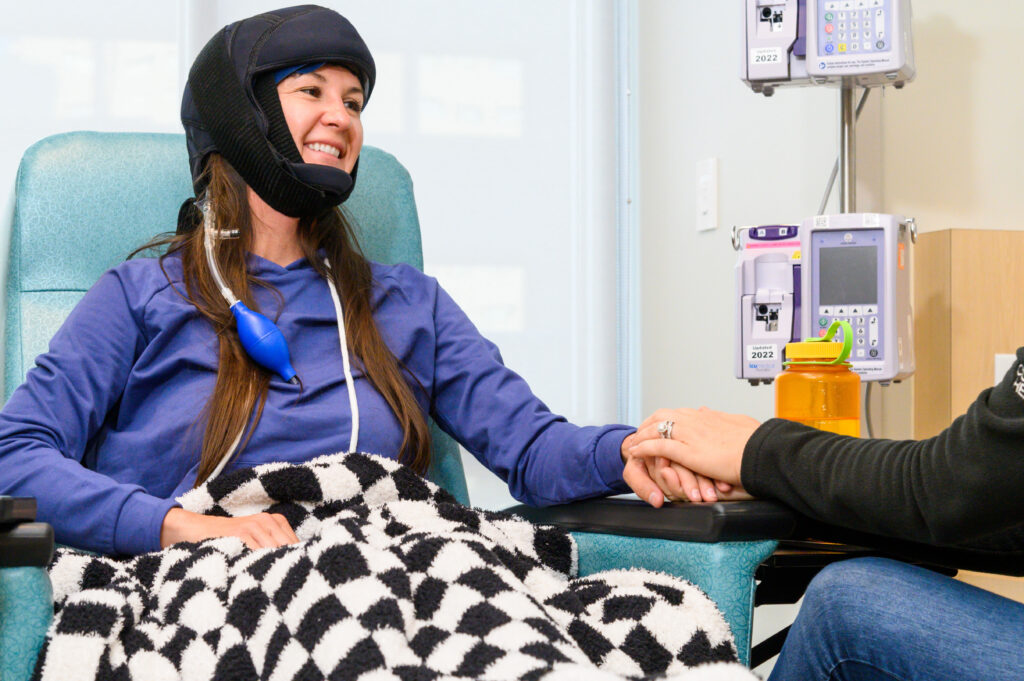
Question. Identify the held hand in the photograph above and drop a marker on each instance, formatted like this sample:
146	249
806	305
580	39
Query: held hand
636	475
658	480
707	442
259	531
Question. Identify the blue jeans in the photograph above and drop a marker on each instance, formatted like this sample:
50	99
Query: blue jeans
872	618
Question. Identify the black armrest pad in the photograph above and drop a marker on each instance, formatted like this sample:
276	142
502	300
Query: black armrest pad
753	519
26	545
14	510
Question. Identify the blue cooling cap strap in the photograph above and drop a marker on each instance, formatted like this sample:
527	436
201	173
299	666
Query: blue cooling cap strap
281	74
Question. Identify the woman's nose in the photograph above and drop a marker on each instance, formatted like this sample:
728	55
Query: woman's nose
337	115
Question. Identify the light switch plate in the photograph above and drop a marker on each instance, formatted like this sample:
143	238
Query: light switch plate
1002	365
707	194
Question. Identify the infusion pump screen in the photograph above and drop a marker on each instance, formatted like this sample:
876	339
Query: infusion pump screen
848	276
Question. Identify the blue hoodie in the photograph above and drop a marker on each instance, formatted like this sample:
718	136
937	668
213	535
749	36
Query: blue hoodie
106	430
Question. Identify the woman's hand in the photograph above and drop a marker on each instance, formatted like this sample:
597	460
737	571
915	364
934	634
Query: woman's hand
666	480
259	531
709	443
657	480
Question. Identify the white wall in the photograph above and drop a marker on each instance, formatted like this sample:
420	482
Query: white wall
954	138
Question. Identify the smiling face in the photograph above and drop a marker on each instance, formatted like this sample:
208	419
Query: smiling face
322	110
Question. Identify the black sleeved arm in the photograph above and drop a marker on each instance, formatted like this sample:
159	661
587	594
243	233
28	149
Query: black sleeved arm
962	485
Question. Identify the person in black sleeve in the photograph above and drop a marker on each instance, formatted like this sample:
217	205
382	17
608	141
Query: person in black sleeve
874	618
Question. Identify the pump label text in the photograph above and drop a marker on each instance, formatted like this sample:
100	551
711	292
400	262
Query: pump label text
762	352
766	55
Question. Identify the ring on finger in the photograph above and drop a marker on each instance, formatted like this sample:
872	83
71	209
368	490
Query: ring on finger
665	429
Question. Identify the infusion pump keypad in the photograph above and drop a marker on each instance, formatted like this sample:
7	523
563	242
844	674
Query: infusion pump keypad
854	26
863	320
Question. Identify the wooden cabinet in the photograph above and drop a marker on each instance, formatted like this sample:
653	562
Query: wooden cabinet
968	306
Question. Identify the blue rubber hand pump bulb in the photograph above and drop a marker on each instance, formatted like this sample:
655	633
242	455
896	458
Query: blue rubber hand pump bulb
263	341
260	337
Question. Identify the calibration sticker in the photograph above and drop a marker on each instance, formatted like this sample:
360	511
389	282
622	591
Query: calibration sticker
762	352
1018	385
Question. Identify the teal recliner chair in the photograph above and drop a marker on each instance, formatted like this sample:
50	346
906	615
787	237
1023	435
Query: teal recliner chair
83	200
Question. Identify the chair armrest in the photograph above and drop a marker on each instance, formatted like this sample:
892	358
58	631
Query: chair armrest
26	545
14	510
23	543
747	520
1000	553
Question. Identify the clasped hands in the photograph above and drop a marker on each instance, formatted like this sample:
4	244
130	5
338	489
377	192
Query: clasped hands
700	462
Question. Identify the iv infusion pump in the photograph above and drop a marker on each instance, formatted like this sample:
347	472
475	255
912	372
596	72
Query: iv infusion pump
768	294
858	270
801	42
793	281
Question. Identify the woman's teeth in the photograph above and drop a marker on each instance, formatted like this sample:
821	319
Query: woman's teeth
326	148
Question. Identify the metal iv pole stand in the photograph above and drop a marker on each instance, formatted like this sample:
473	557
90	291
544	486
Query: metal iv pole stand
847	149
848	187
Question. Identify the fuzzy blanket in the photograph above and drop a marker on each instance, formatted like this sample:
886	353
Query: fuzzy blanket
392	580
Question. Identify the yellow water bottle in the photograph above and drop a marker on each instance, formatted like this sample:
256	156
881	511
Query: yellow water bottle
817	387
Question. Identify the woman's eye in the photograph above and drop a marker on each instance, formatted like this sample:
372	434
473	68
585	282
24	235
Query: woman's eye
312	91
354	105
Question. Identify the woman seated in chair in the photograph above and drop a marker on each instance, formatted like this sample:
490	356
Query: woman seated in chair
158	380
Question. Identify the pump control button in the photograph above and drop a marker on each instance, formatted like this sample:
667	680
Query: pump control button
829	28
829	16
823	321
822	332
873	352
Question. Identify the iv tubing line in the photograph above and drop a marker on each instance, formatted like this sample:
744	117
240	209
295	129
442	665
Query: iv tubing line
211	259
229	296
227	456
867	409
352	403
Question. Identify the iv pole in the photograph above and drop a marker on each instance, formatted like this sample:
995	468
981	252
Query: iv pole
847	149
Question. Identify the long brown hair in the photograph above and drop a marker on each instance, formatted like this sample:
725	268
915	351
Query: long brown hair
242	385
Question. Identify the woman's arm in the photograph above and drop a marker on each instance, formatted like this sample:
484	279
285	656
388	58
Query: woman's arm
50	419
962	484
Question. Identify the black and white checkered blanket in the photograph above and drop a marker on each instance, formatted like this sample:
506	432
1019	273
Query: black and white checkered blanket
392	580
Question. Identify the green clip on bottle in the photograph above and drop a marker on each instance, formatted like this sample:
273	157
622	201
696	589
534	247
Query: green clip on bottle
817	387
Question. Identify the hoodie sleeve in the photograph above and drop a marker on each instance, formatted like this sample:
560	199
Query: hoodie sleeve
51	418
